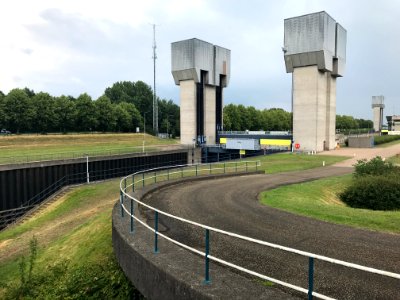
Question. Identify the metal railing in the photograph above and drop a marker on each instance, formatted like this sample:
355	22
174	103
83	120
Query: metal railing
20	159
151	176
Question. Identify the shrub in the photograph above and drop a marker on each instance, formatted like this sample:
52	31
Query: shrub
382	139
376	166
376	192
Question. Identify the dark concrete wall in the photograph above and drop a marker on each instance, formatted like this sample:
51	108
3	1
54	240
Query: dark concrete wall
35	182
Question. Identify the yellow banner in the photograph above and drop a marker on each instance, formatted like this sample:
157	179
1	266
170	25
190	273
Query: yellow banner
275	142
242	152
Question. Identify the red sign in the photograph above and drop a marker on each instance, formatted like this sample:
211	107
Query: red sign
297	146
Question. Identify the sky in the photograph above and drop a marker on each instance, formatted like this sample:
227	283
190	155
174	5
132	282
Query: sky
71	47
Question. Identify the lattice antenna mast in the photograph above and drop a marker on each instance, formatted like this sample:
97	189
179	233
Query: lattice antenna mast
155	102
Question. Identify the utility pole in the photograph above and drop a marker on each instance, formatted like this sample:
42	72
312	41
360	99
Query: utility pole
155	102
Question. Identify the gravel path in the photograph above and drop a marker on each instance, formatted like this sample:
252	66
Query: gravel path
231	204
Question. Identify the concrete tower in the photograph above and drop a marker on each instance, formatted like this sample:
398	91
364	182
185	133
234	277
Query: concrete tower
315	52
377	108
201	70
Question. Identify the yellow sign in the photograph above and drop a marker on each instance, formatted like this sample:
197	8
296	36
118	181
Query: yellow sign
222	140
269	142
242	152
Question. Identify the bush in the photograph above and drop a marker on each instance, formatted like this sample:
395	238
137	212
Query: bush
376	166
385	139
380	192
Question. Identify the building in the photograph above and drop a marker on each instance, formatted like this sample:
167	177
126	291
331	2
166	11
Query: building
315	53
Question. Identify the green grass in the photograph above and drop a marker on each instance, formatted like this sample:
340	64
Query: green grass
283	162
23	148
76	230
319	199
385	145
395	159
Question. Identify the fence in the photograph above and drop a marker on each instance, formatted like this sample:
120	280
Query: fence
20	159
143	178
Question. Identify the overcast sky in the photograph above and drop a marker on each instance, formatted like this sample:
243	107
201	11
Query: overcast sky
70	47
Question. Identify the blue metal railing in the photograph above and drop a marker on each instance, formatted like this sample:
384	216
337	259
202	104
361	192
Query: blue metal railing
208	169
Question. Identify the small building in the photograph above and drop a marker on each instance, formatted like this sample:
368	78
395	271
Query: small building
393	123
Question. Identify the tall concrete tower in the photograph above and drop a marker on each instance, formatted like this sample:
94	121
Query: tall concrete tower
201	70
377	108
315	52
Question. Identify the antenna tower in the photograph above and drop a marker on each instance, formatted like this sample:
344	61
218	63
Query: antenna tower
155	102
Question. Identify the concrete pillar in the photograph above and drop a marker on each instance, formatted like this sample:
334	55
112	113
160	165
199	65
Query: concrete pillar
210	114
314	109
188	111
315	52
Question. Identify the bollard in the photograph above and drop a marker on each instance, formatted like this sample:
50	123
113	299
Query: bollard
310	277
207	261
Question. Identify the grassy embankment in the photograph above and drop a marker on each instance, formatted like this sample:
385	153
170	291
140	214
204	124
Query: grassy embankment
74	248
319	199
22	148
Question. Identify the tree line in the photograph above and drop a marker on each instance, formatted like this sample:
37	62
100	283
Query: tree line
125	106
122	108
241	118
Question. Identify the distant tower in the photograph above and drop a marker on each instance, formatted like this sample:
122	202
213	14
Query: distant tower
201	70
315	52
377	108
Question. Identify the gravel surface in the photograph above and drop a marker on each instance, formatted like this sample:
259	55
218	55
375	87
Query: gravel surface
231	204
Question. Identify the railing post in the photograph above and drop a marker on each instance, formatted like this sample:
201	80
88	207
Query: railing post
133	183
168	174
246	166
156	232
132	211
235	166
143	179
155	177
210	168
207	261
224	168
310	277
121	200
182	172
125	185
256	166
196	170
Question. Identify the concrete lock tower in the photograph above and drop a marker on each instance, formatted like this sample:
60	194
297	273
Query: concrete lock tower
315	52
377	108
202	70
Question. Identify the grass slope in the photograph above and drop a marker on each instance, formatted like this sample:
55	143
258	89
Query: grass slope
319	199
76	230
35	147
283	162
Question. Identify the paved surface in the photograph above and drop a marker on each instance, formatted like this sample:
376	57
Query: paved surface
231	204
361	153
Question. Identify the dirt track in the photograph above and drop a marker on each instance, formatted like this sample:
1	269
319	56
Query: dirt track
231	204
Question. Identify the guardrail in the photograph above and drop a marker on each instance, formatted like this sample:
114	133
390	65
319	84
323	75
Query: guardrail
159	174
20	159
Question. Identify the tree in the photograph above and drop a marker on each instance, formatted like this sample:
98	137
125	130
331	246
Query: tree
140	94
45	117
123	118
105	114
85	113
168	117
65	112
2	114
18	110
136	119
